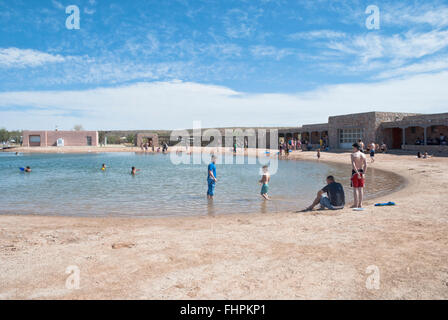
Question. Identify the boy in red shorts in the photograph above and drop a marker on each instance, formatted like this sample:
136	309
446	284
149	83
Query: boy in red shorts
359	167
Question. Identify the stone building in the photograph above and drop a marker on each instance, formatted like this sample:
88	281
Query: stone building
407	131
59	138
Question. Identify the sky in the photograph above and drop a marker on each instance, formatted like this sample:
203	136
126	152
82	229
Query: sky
163	64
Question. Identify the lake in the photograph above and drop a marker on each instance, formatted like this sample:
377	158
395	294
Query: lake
74	185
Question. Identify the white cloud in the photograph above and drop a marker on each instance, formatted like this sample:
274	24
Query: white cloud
20	58
174	105
412	15
57	4
432	65
270	51
410	45
89	11
241	24
316	34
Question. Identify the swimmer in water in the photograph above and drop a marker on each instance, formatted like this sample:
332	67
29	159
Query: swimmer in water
134	171
27	169
103	167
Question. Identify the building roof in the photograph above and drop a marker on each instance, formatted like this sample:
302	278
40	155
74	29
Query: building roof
424	120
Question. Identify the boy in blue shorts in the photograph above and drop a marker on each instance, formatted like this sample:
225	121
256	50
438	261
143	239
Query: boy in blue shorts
211	178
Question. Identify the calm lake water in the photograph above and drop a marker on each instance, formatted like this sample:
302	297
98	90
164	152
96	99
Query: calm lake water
74	185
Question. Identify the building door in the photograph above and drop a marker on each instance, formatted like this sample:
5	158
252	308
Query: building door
397	138
89	141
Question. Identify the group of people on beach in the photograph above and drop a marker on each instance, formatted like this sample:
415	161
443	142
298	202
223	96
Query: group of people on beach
332	196
149	145
441	140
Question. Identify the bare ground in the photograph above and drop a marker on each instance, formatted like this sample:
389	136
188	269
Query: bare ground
259	256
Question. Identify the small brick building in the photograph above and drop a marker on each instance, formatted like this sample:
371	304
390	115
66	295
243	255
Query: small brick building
50	138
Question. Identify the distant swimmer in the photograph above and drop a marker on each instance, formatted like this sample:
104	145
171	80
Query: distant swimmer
103	167
265	183
134	171
27	169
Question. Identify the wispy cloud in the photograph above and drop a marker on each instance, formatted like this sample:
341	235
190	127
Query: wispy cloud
424	13
432	65
316	34
270	52
57	4
21	58
241	24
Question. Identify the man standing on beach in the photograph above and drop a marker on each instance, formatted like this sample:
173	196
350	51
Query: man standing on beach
361	145
211	178
372	152
359	167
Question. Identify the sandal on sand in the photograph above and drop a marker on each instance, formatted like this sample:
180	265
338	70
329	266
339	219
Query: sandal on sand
304	210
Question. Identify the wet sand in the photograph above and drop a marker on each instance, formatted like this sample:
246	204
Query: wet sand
260	256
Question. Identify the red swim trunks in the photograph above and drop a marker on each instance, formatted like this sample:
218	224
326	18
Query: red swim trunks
357	182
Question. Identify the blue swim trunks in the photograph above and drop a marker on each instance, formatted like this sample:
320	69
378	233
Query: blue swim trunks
264	189
211	187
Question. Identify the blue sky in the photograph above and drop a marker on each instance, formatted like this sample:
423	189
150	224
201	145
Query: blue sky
163	64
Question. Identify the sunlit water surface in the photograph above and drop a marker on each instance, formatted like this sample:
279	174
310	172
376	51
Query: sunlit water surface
74	185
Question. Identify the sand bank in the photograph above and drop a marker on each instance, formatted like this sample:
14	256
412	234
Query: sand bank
272	256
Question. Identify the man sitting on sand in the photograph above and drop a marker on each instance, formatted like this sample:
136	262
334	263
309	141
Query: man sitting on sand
335	199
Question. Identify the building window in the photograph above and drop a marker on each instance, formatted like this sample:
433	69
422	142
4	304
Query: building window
413	130
35	139
350	135
89	141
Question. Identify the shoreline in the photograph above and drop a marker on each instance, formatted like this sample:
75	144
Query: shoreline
285	255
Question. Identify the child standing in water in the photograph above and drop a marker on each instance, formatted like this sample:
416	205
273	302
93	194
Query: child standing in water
265	183
134	171
211	178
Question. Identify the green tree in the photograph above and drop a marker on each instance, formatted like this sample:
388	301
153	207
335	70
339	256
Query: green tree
130	138
4	135
78	127
101	135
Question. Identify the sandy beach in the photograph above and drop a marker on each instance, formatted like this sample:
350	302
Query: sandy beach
259	256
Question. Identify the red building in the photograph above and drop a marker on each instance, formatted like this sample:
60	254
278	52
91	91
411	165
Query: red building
59	138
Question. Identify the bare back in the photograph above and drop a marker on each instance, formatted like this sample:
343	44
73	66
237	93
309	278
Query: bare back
359	161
